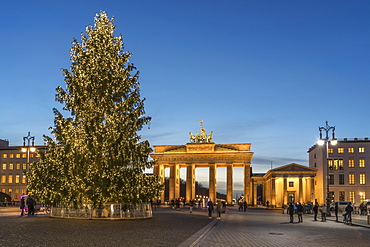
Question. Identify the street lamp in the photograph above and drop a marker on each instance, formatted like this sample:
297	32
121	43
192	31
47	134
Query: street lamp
325	141
29	148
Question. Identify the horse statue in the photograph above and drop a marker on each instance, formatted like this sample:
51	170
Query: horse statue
209	138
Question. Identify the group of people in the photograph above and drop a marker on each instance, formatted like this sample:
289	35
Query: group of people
28	203
295	208
211	207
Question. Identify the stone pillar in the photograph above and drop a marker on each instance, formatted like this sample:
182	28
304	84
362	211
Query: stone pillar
312	191
254	196
247	180
285	192
212	182
300	190
174	183
229	185
158	170
190	182
273	192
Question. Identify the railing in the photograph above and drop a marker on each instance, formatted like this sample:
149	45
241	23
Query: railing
107	211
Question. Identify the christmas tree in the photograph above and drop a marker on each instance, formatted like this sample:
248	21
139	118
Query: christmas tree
96	155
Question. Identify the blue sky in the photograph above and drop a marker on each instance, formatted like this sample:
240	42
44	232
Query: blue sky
261	72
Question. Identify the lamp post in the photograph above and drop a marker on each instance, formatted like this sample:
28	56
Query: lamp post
29	148
325	141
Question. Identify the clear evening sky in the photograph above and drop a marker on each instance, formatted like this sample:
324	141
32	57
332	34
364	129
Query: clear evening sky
262	72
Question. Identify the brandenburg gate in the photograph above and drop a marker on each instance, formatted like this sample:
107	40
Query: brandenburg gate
202	152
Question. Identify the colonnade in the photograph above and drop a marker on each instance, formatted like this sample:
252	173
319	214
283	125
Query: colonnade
174	179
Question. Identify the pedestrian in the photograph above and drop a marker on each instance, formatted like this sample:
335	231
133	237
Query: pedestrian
348	213
323	212
291	212
210	208
245	205
300	212
191	204
267	204
31	203
336	209
219	208
5	201
240	204
22	206
283	208
315	211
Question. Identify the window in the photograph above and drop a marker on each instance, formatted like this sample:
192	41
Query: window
24	166
340	150
5	156
3	190
351	178
361	150
362	178
342	196
341	178
351	163
361	163
331	178
3	179
18	156
23	179
330	150
10	192
335	164
4	166
31	155
10	179
330	164
291	184
11	166
351	150
352	196
18	166
362	196
11	156
17	179
24	155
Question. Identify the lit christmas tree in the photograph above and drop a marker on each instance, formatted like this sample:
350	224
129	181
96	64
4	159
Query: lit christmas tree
97	155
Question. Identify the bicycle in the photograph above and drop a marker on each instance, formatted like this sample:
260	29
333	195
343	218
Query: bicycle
347	219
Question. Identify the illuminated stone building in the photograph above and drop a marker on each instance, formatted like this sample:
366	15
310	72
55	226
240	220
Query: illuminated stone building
342	169
285	184
290	183
13	164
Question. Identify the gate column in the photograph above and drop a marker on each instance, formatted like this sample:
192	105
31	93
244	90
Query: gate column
212	182
229	189
190	182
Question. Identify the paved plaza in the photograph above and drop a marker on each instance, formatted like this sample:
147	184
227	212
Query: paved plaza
168	227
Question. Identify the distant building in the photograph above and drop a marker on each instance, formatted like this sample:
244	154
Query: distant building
345	168
13	165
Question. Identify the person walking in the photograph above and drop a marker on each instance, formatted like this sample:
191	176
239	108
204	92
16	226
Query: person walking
336	209
315	211
291	212
210	208
323	212
23	205
300	212
219	209
31	203
191	204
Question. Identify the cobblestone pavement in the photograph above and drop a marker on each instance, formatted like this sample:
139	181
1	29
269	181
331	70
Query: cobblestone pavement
167	228
255	227
261	227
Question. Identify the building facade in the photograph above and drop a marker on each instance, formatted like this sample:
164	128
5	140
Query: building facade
13	164
343	170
